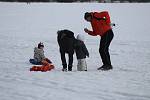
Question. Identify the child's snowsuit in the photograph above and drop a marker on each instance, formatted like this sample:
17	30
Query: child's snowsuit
81	53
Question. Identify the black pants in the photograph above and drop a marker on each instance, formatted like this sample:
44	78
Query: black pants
104	47
63	59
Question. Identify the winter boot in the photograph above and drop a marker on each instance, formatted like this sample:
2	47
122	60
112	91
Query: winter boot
108	67
64	69
105	67
69	67
100	68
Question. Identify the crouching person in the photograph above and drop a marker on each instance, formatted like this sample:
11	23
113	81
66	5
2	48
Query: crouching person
65	40
81	53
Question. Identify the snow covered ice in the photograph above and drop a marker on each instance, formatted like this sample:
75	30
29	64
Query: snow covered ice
23	25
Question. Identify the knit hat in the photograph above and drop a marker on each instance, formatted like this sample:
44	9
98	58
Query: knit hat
40	45
80	37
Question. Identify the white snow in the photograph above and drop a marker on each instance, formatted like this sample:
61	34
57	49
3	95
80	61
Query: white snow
22	26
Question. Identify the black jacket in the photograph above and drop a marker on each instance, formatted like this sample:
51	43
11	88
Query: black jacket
65	40
80	49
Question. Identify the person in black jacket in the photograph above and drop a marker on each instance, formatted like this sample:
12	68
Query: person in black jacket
65	40
81	53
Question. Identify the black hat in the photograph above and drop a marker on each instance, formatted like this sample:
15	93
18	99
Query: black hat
86	15
40	45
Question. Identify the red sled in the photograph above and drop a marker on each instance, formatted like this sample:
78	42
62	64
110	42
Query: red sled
43	68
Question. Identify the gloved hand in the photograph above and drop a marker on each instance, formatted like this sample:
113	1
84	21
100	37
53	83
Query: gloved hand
86	30
49	61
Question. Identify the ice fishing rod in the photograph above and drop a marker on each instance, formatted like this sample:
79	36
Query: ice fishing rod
112	24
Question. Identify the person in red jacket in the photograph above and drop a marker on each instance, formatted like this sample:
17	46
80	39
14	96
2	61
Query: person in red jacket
101	25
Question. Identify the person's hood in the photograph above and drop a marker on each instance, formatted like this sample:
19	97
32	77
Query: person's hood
80	37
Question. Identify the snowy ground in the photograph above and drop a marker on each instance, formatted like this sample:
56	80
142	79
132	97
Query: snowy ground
22	26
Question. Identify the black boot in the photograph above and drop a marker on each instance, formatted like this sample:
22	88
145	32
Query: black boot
100	68
105	67
69	67
64	67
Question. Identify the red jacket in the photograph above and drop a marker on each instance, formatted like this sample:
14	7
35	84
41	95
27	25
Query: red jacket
100	27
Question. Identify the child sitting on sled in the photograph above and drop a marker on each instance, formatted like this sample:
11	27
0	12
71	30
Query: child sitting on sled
39	55
40	59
